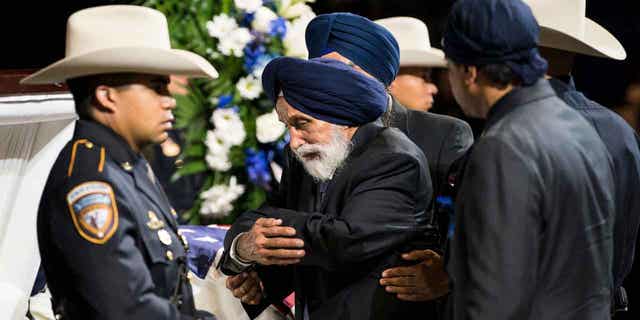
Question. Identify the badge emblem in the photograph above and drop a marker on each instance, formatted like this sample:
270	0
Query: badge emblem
93	210
164	237
154	223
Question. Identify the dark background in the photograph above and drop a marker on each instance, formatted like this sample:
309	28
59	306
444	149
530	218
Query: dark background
32	34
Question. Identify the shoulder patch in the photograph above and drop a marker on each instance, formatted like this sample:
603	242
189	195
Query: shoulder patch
94	212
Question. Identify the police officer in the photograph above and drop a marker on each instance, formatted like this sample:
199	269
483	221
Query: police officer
107	233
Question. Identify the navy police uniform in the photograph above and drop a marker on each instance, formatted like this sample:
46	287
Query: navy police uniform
108	236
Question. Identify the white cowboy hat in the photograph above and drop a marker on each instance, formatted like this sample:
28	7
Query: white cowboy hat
120	39
563	26
413	38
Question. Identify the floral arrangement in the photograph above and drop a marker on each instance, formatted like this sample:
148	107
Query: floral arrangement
231	129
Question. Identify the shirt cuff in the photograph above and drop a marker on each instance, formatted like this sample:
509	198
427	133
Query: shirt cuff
234	256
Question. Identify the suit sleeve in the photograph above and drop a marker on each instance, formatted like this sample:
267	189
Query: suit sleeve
461	139
387	199
626	226
112	277
500	229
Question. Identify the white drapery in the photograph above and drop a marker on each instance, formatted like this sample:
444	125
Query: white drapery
33	130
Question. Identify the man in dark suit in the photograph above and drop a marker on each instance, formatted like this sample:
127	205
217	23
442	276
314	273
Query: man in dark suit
535	210
108	236
353	196
373	50
620	139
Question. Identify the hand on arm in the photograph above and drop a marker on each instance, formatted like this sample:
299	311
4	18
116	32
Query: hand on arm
269	243
426	280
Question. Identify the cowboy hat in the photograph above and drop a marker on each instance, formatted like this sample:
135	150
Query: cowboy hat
413	38
563	26
120	39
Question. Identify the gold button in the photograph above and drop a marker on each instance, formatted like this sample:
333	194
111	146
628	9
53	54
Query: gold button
89	145
174	213
127	166
169	255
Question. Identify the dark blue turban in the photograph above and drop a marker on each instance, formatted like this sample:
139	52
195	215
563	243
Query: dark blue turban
486	32
366	43
325	89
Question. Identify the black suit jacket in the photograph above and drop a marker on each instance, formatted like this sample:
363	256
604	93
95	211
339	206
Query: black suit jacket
623	145
534	215
372	210
443	139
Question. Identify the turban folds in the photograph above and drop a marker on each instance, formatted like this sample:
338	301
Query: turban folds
367	44
325	89
495	32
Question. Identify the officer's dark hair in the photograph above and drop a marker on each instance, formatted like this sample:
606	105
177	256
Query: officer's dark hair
499	75
83	89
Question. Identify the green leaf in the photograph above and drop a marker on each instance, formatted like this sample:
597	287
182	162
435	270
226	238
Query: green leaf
193	167
196	151
197	131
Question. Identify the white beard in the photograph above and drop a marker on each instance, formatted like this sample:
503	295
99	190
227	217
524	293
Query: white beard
331	156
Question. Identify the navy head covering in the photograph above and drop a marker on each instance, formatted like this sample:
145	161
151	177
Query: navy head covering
325	89
495	32
366	43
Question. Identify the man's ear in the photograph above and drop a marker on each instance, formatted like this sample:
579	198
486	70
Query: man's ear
105	97
470	74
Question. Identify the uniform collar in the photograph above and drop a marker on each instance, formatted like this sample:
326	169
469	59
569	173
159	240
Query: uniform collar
517	98
562	84
117	148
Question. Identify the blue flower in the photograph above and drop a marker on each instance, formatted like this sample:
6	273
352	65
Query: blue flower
257	163
260	63
246	20
278	28
224	100
252	53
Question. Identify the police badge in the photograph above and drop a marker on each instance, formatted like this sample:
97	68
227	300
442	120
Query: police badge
93	209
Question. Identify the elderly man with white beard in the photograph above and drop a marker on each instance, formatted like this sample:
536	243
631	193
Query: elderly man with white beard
353	197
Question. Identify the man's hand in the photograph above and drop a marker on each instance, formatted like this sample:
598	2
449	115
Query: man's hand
424	281
268	243
246	286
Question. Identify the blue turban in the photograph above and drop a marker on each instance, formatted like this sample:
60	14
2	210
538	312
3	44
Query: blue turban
325	89
366	43
495	32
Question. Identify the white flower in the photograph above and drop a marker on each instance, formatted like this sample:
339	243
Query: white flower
221	25
294	41
218	161
218	200
262	19
293	9
269	128
215	144
229	127
218	152
248	5
249	87
234	42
